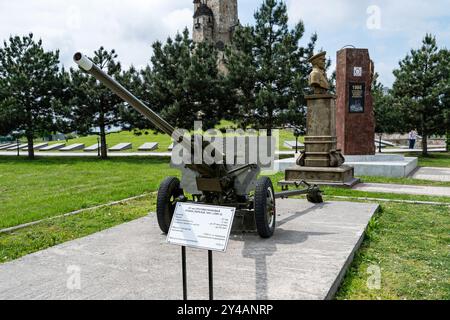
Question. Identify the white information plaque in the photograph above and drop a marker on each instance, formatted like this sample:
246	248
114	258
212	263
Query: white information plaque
201	226
357	71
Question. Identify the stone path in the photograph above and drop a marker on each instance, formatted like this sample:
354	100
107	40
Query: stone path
402	150
307	258
433	174
403	189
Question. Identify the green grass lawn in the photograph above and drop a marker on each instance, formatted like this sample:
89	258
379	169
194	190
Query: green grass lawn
408	242
410	246
433	160
52	232
33	190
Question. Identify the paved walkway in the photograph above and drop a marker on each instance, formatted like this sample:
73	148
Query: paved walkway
433	174
404	189
306	259
404	150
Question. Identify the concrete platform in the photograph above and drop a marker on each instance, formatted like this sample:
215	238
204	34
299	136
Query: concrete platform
306	259
380	165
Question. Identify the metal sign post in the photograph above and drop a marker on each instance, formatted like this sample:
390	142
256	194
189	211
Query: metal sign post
183	268
211	275
202	227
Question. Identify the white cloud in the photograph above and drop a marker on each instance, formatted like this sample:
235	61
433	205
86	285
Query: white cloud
403	25
128	26
132	26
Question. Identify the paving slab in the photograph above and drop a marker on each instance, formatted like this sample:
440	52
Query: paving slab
73	147
92	148
121	147
433	174
404	189
150	146
306	259
53	147
406	150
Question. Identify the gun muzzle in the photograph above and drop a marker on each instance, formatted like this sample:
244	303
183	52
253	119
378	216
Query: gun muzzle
84	62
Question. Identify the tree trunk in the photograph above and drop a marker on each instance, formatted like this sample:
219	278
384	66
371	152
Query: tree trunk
30	146
30	134
425	145
103	148
379	144
448	141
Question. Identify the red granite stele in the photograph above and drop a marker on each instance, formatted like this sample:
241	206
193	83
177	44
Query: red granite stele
355	131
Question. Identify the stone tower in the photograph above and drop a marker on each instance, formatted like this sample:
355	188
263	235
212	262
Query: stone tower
215	21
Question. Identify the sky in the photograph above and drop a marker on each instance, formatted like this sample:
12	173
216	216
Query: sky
388	28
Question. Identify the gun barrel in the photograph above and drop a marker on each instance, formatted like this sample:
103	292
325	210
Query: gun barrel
86	64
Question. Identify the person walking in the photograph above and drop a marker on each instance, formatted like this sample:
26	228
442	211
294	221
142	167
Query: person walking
412	139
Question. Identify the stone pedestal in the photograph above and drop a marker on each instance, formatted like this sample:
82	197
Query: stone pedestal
342	176
321	163
321	144
355	126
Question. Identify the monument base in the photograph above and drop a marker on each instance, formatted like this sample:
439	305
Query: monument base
342	176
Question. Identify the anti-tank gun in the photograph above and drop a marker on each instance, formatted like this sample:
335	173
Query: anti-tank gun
218	183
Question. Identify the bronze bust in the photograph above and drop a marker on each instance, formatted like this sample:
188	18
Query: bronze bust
318	78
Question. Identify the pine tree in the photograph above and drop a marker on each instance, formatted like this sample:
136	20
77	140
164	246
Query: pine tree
30	86
388	117
94	105
268	69
421	82
131	119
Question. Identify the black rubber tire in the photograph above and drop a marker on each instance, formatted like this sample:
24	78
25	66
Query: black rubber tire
315	197
263	226
168	191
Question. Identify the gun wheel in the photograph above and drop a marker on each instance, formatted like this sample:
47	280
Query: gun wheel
265	210
168	194
314	195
